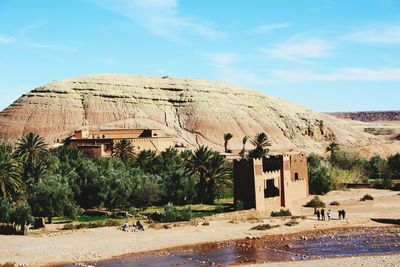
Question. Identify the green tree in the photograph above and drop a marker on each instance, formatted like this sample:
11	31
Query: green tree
123	150
176	185
260	141
146	160
51	197
5	211
10	174
227	137
320	181
146	191
120	187
243	151
377	167
394	165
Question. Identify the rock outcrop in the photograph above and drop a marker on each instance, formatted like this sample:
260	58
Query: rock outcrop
369	116
193	111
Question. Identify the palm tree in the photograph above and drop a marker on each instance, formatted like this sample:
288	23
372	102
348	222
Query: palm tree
218	175
145	160
123	150
212	171
198	164
10	174
261	141
31	149
227	137
243	151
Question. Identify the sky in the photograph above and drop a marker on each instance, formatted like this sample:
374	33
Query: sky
326	55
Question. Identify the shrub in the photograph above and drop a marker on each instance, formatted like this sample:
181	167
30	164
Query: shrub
367	197
21	216
281	213
111	223
316	202
263	227
173	214
334	203
292	223
68	226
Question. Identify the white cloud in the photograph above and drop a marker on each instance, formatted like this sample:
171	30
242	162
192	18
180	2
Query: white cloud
270	27
5	39
376	34
226	69
345	74
221	60
161	17
299	51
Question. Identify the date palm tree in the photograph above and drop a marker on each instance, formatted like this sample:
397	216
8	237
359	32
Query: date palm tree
32	152
31	149
123	150
244	142
212	172
260	141
227	137
10	174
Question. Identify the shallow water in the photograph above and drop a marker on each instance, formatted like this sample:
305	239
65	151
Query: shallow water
331	244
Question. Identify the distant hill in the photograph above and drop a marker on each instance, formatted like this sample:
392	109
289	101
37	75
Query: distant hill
194	112
369	116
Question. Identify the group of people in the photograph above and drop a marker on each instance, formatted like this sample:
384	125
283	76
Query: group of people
321	214
138	226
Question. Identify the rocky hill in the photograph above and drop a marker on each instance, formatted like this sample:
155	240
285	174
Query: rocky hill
369	116
193	111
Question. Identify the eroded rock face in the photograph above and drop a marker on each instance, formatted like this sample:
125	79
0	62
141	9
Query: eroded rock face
193	111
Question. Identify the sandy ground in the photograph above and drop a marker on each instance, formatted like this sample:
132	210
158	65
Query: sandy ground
103	243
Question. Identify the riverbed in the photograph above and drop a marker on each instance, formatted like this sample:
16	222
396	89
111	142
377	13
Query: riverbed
276	248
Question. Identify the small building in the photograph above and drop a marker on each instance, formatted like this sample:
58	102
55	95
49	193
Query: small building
271	182
100	143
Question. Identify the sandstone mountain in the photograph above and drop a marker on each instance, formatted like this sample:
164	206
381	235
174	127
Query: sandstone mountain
193	111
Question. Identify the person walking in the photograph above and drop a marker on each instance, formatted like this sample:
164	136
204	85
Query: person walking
339	214
318	214
343	214
323	215
329	215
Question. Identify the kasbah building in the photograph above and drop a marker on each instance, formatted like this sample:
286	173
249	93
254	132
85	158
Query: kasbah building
266	184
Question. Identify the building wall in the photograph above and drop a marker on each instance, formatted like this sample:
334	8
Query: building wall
254	180
243	173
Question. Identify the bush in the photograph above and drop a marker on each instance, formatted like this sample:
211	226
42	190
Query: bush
21	216
263	227
334	203
173	214
281	213
367	197
292	223
98	224
315	203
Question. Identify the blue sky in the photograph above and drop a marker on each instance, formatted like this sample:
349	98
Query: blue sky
327	55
